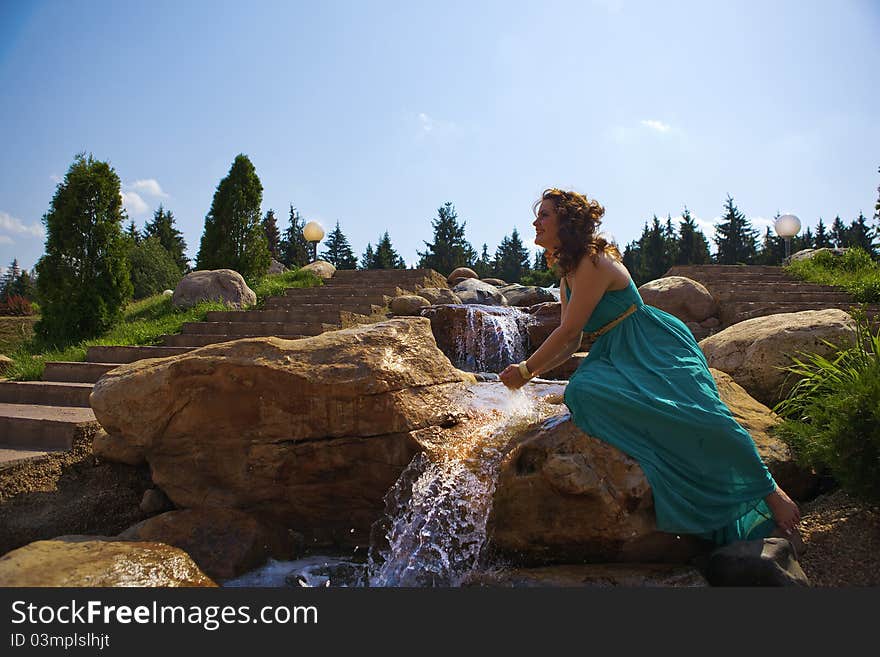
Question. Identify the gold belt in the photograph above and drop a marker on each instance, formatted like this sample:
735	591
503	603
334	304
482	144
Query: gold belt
592	335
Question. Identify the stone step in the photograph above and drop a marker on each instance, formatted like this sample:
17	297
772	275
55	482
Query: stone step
76	372
780	296
369	294
50	393
13	457
324	314
234	329
39	427
742	310
194	340
125	354
677	270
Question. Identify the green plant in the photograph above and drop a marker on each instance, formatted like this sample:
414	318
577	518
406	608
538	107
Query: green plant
274	284
854	271
831	418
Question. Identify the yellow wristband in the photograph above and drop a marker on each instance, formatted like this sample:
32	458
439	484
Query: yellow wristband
524	371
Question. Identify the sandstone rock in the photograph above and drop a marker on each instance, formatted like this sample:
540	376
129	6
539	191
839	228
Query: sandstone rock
117	449
685	298
223	285
473	290
223	542
770	562
606	575
5	364
307	433
711	322
461	272
276	267
752	351
408	304
497	282
155	501
545	318
99	561
439	295
523	295
321	269
806	254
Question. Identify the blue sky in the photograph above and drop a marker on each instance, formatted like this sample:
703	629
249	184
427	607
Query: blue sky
376	113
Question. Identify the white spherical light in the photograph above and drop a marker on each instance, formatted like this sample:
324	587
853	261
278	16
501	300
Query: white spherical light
313	231
787	225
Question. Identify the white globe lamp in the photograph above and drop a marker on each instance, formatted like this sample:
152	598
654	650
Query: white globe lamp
314	233
787	226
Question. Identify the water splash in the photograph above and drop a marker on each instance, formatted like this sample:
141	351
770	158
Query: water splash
492	338
434	529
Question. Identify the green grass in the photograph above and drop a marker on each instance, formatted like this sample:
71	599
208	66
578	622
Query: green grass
854	271
15	331
144	322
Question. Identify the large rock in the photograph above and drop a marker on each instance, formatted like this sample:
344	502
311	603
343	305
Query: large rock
461	272
526	295
753	351
321	269
276	267
473	290
408	304
439	295
563	496
223	285
685	298
99	561
223	542
768	562
307	433
806	254
545	318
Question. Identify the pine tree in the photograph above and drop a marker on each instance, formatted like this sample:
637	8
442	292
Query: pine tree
368	259
805	241
273	235
234	237
655	257
132	233
386	257
152	268
839	235
772	251
450	249
691	247
861	235
670	242
822	240
735	237
339	252
162	228
483	265
10	279
295	249
541	261
632	260
511	259
83	278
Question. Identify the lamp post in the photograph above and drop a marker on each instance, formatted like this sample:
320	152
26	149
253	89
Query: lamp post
787	226
314	233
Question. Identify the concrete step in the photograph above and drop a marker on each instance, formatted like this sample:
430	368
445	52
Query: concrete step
742	310
12	457
82	372
38	427
51	393
779	296
324	314
120	354
234	329
194	340
360	294
678	270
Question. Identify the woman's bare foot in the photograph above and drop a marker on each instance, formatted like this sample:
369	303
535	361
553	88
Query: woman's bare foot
785	512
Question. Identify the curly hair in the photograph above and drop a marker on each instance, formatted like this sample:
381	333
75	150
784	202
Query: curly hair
579	218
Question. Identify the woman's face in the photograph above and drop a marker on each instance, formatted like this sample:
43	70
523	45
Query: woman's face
547	226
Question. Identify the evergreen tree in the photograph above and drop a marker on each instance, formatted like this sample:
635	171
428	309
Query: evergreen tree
655	256
632	260
273	235
162	228
450	249
805	241
295	249
772	251
234	237
735	237
132	233
368	260
670	242
386	257
24	286
839	235
861	235
822	239
692	248
339	252
10	279
152	268
511	259
541	261
483	266
83	278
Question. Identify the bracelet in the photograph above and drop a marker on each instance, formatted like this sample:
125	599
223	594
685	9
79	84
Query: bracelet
524	371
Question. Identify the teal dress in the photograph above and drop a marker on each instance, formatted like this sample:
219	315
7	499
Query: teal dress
646	389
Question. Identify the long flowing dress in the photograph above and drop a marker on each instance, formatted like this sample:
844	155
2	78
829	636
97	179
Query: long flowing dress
645	388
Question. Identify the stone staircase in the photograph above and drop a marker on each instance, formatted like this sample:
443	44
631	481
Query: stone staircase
747	291
38	417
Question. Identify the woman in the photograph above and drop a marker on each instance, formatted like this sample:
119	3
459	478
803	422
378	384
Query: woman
645	388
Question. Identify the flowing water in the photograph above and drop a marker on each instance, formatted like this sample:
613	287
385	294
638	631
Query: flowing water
491	338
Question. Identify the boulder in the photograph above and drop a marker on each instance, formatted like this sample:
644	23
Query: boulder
99	561
408	304
223	285
461	272
526	295
768	562
753	351
223	542
5	364
685	298
473	290
545	317
806	254
563	496
307	433
497	282
439	295
154	501
321	269
276	267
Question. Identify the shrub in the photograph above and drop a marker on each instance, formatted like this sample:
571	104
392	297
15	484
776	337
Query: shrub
152	268
855	271
17	305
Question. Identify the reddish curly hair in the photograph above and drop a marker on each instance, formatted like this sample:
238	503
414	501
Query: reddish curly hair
579	219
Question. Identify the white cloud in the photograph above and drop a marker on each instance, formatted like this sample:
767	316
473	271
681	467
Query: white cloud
133	203
657	126
426	122
150	186
429	125
9	224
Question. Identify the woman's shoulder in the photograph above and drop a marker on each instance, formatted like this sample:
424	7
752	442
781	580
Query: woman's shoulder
605	270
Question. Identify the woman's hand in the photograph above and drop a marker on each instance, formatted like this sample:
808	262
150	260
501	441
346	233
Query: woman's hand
512	378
